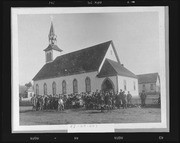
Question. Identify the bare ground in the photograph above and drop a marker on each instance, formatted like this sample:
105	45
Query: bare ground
82	116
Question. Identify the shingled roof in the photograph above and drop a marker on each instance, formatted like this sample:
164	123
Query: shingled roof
111	68
147	78
85	60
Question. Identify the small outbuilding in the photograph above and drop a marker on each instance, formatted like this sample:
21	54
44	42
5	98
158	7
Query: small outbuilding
150	83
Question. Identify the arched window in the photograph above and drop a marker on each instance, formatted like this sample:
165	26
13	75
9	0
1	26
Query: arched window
152	87
88	84
45	89
144	87
46	57
54	88
134	85
64	87
75	86
50	56
125	85
37	89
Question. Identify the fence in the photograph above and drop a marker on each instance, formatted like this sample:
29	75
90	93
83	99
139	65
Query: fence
25	103
150	100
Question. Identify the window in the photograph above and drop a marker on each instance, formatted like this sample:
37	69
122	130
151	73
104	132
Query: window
75	86
54	88
151	87
88	84
46	57
144	86
45	89
50	56
124	84
37	89
64	87
26	95
134	85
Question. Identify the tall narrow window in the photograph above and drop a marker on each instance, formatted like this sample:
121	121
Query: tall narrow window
75	86
64	87
88	84
46	57
152	88
37	89
45	89
134	85
54	88
50	56
125	85
144	87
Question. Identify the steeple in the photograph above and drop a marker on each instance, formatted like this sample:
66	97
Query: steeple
52	36
52	51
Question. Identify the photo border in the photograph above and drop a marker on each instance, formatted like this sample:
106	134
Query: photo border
121	127
171	136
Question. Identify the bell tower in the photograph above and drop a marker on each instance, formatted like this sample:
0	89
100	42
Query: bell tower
52	51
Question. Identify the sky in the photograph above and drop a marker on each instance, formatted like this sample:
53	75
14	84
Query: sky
134	34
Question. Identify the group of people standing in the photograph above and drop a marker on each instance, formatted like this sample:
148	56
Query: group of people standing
46	102
123	99
95	100
107	100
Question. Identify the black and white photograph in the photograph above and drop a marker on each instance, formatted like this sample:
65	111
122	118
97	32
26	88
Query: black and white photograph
90	69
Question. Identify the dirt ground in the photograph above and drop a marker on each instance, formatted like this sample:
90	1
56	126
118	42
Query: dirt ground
82	116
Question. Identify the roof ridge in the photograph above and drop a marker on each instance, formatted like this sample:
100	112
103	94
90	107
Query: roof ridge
83	49
148	74
111	61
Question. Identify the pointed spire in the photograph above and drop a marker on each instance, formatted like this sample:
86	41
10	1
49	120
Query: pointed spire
51	32
52	51
52	36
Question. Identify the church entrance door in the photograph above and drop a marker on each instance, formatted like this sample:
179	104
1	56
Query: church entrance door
107	85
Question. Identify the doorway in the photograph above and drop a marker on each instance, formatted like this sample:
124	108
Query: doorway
107	85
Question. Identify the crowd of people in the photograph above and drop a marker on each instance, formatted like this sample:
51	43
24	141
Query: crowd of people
100	100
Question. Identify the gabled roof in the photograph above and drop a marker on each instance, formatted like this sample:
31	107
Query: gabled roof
111	68
53	47
147	78
107	70
81	61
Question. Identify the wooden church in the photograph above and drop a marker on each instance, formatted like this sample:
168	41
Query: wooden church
94	68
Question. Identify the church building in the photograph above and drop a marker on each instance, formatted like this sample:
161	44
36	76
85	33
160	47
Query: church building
94	68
